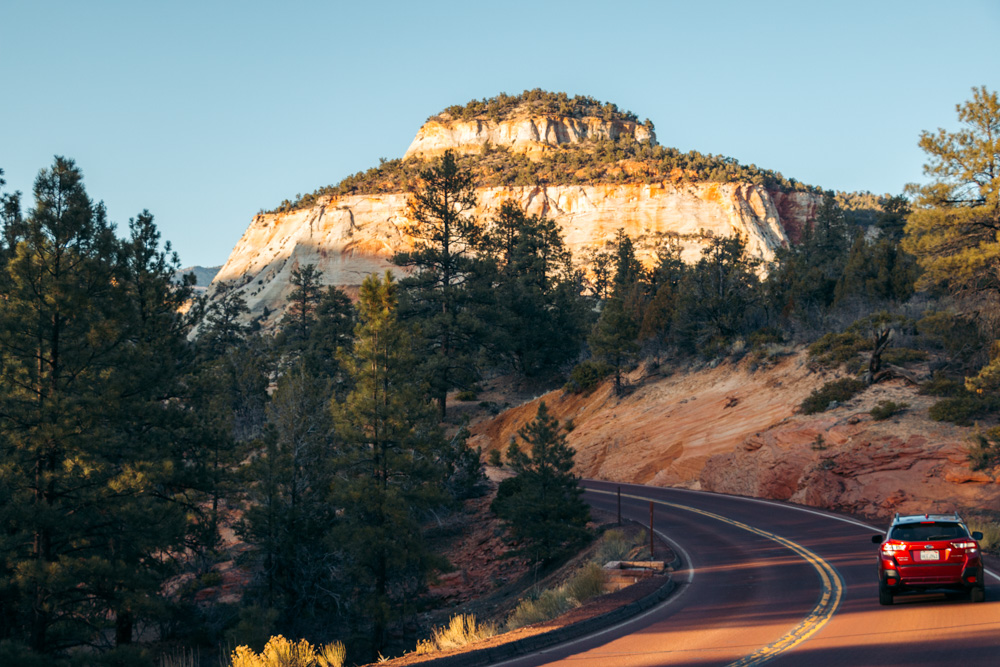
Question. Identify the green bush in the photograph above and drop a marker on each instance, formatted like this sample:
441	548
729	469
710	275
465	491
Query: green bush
587	583
902	355
840	391
466	395
495	458
942	385
984	453
548	605
960	410
886	409
835	349
585	377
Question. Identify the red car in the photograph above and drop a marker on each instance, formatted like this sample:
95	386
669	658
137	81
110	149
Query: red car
929	551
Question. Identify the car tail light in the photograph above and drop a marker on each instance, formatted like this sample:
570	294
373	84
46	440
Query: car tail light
891	582
971	579
970	546
892	548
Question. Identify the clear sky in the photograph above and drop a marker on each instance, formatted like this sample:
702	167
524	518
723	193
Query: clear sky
206	112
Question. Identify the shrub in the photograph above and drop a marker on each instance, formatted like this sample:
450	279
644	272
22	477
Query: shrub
990	531
942	385
960	410
886	409
840	391
587	583
984	453
461	630
902	355
585	377
548	605
613	546
835	349
280	652
495	458
466	395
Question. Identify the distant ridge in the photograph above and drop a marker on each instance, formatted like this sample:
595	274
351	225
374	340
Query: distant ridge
203	274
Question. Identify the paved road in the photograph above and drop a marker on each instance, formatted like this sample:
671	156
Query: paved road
765	582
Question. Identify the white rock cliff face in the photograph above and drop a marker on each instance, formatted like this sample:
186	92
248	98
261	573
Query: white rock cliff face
532	135
349	237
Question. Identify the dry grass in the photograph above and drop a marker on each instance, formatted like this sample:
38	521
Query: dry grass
990	531
460	631
587	583
281	652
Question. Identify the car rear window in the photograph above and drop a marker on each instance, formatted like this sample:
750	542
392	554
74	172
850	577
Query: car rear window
914	532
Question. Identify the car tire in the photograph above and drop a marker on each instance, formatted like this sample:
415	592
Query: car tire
977	594
884	594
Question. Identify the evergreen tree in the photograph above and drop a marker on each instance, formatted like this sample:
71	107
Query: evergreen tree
298	321
390	467
665	281
542	504
223	327
289	510
331	332
803	283
440	297
92	343
538	313
954	230
613	339
721	297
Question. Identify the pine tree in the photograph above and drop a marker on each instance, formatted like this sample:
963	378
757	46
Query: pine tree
390	467
720	297
297	324
441	296
538	314
92	350
954	230
290	511
542	504
613	339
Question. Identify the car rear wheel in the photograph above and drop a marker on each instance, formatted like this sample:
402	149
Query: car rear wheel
884	594
977	594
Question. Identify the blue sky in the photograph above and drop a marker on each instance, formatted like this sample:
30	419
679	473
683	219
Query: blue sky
206	112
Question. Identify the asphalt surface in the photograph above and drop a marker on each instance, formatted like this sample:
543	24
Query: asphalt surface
767	582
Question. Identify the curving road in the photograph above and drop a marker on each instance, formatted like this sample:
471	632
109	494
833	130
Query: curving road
766	582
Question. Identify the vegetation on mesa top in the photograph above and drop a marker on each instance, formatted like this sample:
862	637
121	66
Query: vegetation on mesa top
622	160
537	102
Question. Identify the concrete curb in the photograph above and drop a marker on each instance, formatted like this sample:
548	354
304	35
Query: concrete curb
488	656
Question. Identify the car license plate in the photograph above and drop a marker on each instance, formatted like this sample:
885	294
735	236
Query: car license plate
930	554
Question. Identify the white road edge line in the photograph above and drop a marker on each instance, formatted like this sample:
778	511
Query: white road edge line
762	501
686	559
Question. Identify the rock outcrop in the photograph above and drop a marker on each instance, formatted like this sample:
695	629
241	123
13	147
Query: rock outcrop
349	237
735	430
531	135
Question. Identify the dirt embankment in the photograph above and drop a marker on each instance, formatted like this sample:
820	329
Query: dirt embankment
736	430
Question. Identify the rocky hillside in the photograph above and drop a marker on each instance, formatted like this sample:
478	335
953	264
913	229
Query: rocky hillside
736	430
590	166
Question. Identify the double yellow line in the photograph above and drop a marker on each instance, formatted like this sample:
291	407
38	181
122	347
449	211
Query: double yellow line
829	600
